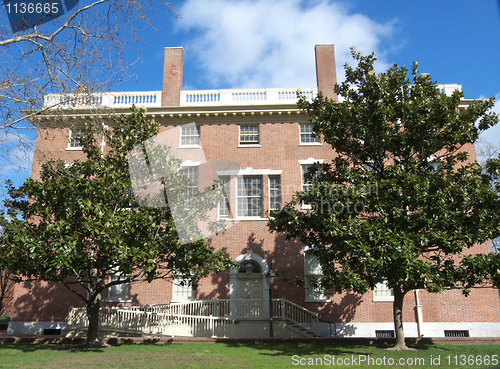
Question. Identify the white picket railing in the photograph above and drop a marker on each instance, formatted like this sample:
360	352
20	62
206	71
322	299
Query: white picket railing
207	318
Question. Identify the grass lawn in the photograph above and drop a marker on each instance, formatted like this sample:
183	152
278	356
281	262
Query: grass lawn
242	355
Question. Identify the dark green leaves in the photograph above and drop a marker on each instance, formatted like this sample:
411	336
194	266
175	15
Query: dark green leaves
401	202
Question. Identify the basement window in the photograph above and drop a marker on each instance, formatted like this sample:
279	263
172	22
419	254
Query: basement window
52	332
384	334
456	333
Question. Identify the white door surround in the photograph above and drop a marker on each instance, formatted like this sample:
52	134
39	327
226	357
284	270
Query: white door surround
236	278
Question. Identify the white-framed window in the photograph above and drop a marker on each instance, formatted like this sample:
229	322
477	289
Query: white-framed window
249	134
119	292
224	211
192	174
74	142
313	274
190	135
306	134
182	289
307	184
249	196
382	292
274	193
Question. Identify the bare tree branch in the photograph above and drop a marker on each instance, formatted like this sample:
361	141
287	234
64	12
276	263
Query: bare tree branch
83	49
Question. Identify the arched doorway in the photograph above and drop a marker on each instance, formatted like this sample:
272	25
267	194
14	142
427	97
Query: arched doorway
250	281
248	287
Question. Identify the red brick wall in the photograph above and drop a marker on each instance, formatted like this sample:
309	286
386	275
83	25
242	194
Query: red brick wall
279	150
172	76
326	74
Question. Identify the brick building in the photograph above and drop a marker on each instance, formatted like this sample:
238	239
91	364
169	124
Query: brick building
268	143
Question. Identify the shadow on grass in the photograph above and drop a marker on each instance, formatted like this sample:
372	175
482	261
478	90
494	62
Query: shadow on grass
307	349
34	347
301	349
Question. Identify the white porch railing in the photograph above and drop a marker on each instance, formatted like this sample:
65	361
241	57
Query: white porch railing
263	96
97	100
296	314
208	318
269	96
136	321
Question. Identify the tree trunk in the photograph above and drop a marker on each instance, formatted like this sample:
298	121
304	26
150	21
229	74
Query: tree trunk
398	319
93	318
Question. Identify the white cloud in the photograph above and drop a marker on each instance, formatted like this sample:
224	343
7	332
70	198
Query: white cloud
259	43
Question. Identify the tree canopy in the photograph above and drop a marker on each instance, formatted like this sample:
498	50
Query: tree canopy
401	202
81	223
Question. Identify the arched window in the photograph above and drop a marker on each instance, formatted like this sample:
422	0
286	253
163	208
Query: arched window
250	267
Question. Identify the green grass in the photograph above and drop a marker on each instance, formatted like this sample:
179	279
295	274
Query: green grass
235	355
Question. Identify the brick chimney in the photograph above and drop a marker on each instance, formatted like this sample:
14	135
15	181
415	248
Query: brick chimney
172	76
326	74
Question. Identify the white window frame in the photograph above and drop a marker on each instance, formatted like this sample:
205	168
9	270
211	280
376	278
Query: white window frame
123	288
226	200
307	163
382	292
278	195
248	143
303	133
189	135
238	196
180	292
72	140
312	270
191	190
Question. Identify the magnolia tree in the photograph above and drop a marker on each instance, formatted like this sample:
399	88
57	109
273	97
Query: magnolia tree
79	47
81	224
402	202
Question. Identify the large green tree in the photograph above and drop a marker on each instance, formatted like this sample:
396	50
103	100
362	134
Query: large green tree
401	202
81	223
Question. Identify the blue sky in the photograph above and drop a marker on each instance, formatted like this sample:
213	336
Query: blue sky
454	41
263	43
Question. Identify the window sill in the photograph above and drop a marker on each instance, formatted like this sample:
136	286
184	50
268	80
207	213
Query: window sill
328	300
119	300
189	147
383	299
249	145
310	144
74	148
182	300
